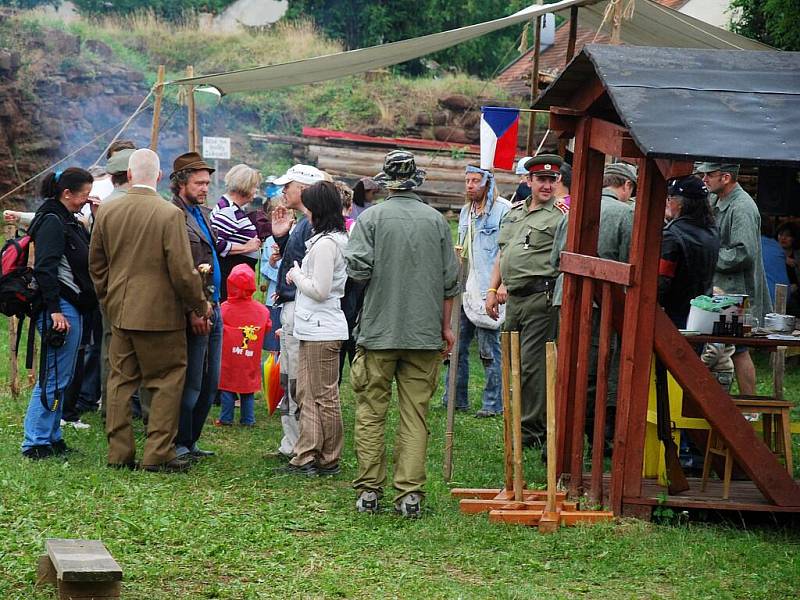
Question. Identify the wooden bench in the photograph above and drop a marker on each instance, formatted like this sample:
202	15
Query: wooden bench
81	569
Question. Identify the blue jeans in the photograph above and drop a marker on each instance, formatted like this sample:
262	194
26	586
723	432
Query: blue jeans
203	355
42	426
90	388
247	407
271	342
489	351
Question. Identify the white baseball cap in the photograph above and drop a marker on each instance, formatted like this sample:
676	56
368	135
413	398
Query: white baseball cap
301	174
521	170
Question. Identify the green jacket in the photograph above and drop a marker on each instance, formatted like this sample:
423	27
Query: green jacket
403	248
740	266
613	237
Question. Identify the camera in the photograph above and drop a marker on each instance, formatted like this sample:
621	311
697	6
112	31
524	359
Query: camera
56	339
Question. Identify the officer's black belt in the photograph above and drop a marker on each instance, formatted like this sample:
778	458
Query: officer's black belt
536	286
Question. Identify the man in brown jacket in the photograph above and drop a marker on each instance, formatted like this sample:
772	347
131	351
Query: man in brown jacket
142	269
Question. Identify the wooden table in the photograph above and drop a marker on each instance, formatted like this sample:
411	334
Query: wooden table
751	341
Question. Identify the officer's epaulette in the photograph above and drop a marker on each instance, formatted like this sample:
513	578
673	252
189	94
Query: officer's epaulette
560	205
517	204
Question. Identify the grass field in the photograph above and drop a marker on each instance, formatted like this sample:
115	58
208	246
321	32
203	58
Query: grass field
234	528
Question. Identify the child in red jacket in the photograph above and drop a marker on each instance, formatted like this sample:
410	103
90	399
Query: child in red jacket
245	322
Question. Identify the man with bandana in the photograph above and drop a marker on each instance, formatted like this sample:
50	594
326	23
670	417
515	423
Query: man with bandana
528	279
478	230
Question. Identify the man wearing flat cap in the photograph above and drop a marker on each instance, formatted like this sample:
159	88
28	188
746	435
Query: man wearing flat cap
403	250
524	277
619	182
740	266
189	183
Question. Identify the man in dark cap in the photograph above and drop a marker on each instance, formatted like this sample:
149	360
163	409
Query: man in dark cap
689	248
189	183
619	181
740	266
403	249
527	275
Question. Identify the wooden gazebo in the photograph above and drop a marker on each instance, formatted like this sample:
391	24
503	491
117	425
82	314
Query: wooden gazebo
662	108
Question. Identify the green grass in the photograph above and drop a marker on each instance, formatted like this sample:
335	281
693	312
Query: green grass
233	528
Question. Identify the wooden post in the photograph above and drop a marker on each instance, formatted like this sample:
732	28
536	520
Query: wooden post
537	48
601	395
508	443
516	399
550	353
573	33
578	422
159	93
616	23
452	373
192	113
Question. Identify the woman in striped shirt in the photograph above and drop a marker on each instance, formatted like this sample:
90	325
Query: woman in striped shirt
237	237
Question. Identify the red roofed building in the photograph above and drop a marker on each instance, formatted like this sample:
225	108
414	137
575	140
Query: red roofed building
516	78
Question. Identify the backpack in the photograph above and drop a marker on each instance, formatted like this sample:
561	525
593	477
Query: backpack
19	293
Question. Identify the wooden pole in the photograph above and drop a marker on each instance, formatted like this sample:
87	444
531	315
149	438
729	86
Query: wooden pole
551	359
516	399
452	373
192	113
159	95
508	443
537	47
573	33
616	23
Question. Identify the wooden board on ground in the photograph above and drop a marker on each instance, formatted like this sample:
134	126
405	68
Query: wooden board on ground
82	561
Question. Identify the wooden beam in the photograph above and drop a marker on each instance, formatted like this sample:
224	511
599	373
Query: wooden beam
671	169
578	421
637	337
191	113
616	23
589	93
613	140
749	450
596	268
573	33
581	238
159	96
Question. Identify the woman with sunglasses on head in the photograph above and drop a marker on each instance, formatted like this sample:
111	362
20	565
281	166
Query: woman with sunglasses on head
61	269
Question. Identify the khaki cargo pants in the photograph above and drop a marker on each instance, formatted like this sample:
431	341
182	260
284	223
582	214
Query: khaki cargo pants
371	375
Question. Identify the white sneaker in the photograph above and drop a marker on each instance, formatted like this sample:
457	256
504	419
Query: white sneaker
409	505
75	424
367	502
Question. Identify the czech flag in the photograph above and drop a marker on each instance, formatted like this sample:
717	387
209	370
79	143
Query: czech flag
498	137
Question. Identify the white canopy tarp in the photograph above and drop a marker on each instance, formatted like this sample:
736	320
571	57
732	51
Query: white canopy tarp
651	25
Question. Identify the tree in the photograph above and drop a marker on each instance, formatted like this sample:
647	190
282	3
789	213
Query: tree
362	23
774	22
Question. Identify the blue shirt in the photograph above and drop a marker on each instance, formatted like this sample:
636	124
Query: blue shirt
217	273
774	264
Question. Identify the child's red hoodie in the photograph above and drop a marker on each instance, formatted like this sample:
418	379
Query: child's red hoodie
245	322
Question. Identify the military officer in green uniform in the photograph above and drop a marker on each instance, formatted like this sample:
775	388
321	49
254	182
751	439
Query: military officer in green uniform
524	278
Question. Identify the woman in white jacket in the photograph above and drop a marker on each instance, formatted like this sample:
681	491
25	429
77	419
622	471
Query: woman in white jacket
320	325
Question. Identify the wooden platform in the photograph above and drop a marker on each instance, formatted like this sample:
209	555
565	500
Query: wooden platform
744	496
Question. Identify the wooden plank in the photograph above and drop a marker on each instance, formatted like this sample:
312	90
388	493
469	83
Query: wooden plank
586	95
779	358
101	590
596	268
613	140
573	33
552	483
508	443
475	506
82	560
584	220
637	337
671	169
758	462
159	96
601	396
578	422
516	405
751	342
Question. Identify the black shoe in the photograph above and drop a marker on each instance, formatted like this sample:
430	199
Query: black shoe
60	448
306	470
38	452
329	471
198	453
130	466
485	414
176	465
280	455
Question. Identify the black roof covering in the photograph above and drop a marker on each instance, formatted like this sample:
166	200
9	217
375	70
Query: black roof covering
686	104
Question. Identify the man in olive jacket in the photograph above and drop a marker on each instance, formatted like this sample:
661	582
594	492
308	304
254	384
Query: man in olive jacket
145	280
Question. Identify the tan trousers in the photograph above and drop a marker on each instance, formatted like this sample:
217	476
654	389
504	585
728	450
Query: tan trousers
321	431
157	361
371	375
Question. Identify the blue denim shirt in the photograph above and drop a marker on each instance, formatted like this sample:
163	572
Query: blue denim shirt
485	230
